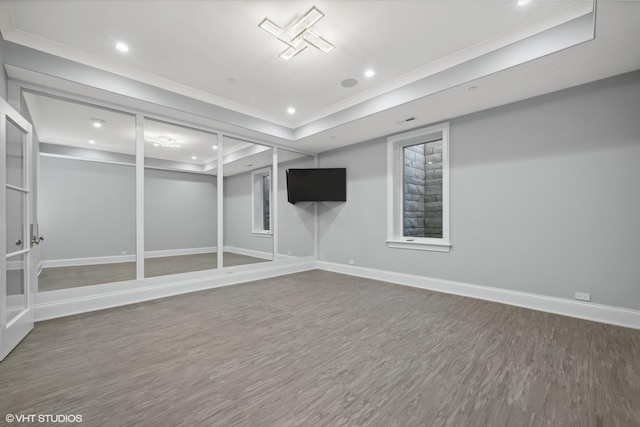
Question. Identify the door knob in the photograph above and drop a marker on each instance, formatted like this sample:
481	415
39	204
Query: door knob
18	242
37	240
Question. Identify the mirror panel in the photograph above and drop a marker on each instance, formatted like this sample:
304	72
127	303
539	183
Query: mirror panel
295	222
180	203
248	237
86	193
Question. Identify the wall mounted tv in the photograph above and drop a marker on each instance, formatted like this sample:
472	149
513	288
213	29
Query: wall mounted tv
317	185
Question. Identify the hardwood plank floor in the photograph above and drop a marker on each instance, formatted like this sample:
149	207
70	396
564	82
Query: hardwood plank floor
55	278
324	349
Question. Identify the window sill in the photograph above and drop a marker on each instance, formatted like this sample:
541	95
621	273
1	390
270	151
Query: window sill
265	234
419	246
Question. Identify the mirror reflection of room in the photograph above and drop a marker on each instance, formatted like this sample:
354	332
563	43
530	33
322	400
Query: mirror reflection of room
85	193
180	199
248	208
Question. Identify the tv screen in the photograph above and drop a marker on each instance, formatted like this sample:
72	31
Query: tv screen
317	185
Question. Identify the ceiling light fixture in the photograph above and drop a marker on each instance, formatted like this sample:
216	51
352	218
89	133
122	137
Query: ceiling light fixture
91	141
163	141
523	2
299	35
194	158
98	123
369	73
122	47
215	147
291	110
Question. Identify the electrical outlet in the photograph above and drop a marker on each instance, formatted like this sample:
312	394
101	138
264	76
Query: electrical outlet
583	296
352	262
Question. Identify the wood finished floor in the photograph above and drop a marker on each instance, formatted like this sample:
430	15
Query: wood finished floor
324	349
55	278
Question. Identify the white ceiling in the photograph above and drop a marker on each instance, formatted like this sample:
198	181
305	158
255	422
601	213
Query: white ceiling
195	47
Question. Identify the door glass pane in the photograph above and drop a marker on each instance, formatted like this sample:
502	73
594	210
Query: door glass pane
15	220
87	193
181	199
16	295
248	237
15	155
295	222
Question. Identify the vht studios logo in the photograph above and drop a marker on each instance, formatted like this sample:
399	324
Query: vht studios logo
43	418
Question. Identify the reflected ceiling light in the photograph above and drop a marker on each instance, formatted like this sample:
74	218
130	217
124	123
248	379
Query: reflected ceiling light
369	73
98	123
299	35
194	158
291	110
91	141
523	2
122	47
163	141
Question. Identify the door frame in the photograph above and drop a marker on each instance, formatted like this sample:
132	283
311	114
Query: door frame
13	331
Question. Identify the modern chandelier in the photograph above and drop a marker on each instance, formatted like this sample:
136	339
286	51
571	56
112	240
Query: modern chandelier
298	35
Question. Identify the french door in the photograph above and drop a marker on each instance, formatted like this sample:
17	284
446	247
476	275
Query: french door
16	269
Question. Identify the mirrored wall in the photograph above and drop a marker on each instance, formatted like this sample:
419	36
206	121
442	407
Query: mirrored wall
86	193
86	197
180	199
248	211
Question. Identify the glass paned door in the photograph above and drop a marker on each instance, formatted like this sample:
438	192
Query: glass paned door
16	294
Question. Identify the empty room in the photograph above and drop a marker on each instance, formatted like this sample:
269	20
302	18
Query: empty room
327	213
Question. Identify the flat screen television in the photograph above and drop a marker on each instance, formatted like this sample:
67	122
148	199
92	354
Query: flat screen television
317	185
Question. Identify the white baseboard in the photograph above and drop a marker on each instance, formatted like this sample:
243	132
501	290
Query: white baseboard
76	262
566	307
79	300
177	252
249	252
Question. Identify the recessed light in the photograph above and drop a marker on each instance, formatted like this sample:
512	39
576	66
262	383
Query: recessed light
98	123
91	141
369	73
291	110
430	163
523	2
122	47
194	158
215	147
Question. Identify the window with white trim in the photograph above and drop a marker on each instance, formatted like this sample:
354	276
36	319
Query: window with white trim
261	200
418	189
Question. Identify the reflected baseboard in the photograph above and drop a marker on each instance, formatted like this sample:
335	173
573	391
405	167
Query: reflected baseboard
249	252
112	259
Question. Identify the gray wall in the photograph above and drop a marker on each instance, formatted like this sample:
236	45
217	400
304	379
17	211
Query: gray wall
295	222
3	73
86	209
238	225
545	198
179	210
